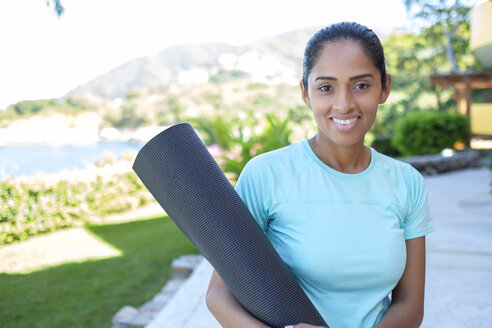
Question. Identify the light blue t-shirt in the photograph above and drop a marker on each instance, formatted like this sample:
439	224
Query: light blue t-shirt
342	235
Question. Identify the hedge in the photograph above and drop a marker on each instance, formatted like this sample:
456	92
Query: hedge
36	206
421	133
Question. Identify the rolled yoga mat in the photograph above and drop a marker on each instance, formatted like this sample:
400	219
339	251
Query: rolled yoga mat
183	177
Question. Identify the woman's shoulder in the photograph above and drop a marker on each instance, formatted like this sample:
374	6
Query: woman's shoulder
387	162
397	168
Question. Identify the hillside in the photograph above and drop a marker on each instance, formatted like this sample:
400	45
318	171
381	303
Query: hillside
271	60
151	72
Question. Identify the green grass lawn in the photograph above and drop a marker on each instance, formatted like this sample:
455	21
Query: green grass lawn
88	293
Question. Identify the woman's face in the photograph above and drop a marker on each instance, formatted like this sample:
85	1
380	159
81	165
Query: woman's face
344	91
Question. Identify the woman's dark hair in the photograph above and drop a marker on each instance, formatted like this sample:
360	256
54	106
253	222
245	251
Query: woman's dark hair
344	31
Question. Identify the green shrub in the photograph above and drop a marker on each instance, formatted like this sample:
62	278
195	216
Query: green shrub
381	133
238	142
76	104
35	207
384	145
217	130
263	101
224	76
128	119
131	95
420	133
276	135
255	86
299	114
29	107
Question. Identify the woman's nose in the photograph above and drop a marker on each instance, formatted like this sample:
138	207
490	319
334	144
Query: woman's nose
344	102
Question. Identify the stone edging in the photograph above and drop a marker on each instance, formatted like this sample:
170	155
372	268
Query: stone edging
436	164
130	317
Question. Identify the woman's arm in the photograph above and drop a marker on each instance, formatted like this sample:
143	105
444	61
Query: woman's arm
407	300
225	307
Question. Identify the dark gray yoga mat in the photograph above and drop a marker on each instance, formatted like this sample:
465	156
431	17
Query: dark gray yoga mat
183	177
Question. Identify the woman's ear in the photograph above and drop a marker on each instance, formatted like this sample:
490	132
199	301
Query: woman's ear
305	95
386	90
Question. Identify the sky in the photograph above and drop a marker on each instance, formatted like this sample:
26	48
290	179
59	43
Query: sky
43	56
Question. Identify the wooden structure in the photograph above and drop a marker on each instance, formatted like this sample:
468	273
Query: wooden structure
463	84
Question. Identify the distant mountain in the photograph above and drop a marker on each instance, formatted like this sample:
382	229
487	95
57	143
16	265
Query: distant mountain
154	71
289	47
276	59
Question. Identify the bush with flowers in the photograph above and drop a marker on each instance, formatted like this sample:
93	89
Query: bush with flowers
233	142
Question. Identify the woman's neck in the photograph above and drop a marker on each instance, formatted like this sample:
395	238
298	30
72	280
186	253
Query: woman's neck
346	159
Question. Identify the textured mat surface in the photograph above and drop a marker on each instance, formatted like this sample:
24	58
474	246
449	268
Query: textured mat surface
183	177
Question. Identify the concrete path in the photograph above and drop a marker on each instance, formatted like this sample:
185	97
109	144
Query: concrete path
459	260
459	264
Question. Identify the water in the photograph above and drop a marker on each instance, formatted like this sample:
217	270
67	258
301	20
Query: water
31	159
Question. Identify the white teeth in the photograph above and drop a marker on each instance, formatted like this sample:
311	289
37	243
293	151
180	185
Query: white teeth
345	122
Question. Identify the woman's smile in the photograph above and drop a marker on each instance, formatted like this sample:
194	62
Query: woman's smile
345	124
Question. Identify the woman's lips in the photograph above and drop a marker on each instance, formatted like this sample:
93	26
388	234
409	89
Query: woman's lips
345	124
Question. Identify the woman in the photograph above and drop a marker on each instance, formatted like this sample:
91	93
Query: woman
349	222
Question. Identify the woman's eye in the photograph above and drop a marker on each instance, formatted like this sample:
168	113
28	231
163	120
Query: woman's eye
325	88
362	86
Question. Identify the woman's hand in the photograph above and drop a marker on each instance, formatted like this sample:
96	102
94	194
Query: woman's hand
304	325
226	308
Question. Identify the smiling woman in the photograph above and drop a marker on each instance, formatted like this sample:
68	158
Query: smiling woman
349	222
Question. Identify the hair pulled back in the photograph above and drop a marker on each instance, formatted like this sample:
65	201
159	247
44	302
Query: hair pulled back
344	31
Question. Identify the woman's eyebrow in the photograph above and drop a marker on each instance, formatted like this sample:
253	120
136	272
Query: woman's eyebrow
331	78
361	76
325	78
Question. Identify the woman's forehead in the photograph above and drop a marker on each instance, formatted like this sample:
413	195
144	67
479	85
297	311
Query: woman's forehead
344	58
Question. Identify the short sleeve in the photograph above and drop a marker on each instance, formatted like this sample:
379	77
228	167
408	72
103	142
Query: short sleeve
251	188
418	221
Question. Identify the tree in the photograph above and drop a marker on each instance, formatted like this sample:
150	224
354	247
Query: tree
57	7
446	14
410	59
